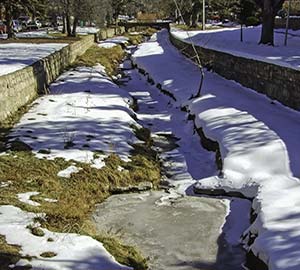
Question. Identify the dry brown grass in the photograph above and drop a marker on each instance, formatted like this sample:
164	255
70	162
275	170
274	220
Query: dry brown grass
110	58
77	196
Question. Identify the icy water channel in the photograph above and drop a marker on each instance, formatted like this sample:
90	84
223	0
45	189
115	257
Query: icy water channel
175	228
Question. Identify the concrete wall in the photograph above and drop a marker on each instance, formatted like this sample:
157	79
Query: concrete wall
277	82
22	86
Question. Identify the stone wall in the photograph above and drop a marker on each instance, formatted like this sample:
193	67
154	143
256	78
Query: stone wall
22	86
110	32
277	82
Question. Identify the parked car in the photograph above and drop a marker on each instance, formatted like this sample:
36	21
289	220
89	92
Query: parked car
3	28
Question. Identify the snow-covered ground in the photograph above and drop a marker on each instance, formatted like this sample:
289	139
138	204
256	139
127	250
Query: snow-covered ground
259	145
85	30
112	42
29	34
70	251
228	40
15	56
85	113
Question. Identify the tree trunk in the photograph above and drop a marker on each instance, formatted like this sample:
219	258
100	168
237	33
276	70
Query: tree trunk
195	18
9	27
267	33
64	29
195	14
75	22
68	25
187	18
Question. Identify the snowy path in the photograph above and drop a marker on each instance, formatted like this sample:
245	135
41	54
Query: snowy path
259	146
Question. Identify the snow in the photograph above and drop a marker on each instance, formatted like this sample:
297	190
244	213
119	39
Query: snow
5	184
112	42
25	198
16	56
30	34
259	143
107	45
50	200
85	113
84	118
87	30
34	34
73	250
118	39
186	160
66	173
228	40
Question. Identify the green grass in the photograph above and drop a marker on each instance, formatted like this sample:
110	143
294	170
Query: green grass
110	58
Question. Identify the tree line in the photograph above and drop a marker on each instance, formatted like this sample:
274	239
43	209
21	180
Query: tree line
107	11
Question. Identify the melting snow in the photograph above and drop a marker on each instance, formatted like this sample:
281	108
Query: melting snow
25	198
73	251
66	173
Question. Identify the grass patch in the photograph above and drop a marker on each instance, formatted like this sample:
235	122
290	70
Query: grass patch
36	231
48	254
9	254
124	254
110	58
135	39
78	195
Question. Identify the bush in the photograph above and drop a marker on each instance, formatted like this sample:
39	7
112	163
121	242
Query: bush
252	21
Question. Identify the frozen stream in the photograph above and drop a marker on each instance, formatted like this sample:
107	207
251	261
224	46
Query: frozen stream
176	229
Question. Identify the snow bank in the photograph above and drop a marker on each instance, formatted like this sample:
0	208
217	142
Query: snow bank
166	67
228	40
259	146
86	113
107	45
112	42
15	56
72	251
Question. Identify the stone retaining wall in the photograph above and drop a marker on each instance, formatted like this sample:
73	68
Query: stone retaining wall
110	32
22	86
277	82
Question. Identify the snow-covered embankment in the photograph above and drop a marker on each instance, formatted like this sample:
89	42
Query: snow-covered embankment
258	144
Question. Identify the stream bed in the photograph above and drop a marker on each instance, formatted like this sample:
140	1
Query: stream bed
175	228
